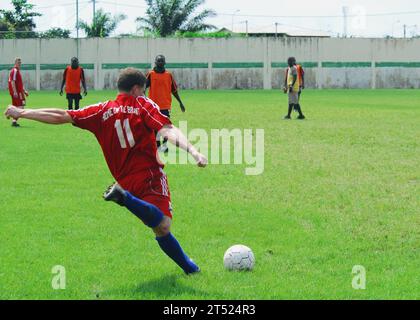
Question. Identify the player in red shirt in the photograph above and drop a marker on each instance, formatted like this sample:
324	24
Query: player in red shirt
16	89
125	130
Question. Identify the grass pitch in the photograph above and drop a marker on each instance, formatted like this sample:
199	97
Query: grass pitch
340	189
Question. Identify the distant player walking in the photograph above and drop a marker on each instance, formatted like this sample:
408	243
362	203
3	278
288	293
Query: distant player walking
16	88
292	87
162	86
72	77
125	129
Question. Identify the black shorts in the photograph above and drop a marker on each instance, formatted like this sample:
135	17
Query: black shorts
74	96
166	113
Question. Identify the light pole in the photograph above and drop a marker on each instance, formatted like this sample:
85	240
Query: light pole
77	19
246	26
233	18
94	9
393	26
77	28
413	30
345	22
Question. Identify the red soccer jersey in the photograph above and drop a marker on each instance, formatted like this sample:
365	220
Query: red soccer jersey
16	76
125	129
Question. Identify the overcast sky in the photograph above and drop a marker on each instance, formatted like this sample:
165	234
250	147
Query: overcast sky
367	18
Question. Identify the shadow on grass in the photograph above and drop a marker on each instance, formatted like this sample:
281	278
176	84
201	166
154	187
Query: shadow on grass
21	126
167	287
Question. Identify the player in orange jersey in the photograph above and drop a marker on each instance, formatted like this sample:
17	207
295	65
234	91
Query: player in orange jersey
72	77
162	86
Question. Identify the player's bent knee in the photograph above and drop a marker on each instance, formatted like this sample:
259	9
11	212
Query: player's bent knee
163	228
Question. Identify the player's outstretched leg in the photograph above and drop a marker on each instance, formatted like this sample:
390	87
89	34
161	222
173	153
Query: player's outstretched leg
168	243
154	218
146	212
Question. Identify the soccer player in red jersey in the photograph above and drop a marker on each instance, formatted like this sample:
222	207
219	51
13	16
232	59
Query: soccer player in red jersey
16	89
125	130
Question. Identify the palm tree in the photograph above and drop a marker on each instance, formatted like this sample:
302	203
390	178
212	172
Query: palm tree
103	24
165	17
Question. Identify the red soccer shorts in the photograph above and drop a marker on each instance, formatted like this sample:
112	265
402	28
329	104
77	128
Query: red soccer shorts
18	101
150	186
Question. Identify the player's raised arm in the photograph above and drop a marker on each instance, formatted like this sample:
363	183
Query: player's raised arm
176	137
49	116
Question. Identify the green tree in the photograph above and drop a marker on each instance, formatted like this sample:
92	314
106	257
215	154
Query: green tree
4	29
166	17
19	22
55	33
103	25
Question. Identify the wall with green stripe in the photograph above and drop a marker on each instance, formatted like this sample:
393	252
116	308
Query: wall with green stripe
233	75
221	63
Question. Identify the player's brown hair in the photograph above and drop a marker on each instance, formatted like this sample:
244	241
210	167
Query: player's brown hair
130	77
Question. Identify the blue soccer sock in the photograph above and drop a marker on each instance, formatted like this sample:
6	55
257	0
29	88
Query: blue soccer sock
148	213
173	249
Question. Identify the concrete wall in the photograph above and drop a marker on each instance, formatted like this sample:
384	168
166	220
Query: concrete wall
239	63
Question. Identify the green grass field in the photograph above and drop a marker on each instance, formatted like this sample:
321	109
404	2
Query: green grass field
340	189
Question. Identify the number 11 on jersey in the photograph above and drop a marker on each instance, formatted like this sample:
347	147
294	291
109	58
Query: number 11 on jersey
128	132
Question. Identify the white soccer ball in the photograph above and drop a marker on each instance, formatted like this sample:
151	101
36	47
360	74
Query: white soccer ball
239	257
